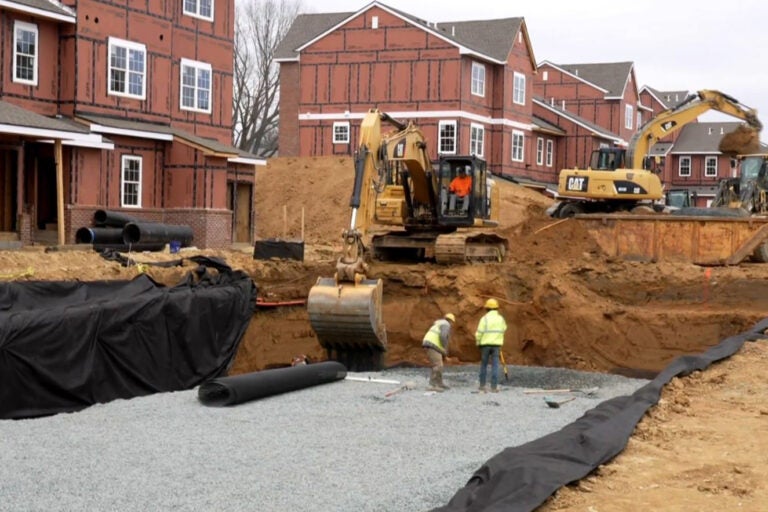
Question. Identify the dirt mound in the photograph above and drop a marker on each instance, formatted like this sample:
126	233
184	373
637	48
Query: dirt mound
743	140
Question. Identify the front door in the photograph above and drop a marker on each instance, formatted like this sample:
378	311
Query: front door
8	189
241	204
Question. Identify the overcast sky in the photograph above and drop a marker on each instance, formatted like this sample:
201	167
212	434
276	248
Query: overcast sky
675	44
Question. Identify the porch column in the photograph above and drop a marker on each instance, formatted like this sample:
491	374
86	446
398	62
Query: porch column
59	190
20	181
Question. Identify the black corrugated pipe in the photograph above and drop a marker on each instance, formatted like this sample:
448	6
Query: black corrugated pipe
151	232
112	219
99	236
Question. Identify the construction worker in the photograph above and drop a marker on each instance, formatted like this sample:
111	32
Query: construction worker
460	188
490	338
436	343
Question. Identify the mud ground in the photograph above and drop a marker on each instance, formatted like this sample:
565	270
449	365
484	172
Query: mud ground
567	305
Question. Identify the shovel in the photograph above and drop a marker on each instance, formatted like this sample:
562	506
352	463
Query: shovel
554	403
503	362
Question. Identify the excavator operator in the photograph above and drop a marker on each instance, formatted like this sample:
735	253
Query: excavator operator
460	187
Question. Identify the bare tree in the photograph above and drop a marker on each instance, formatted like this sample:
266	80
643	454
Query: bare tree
260	25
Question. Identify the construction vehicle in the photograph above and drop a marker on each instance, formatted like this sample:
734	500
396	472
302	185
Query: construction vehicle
749	189
621	180
404	204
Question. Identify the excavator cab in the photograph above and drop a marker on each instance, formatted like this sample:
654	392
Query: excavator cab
607	159
463	190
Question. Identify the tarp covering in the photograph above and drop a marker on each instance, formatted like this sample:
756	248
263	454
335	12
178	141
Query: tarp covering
67	345
281	249
520	479
251	386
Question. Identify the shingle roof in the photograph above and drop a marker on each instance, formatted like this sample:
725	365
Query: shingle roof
660	148
492	38
204	143
702	137
597	130
50	6
14	115
668	99
611	76
546	126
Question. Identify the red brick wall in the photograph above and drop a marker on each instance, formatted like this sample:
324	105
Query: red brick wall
288	143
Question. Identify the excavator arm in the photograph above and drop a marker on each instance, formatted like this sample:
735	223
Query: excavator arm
673	119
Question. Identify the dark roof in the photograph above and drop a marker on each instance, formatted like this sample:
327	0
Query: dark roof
14	115
597	130
702	137
305	28
611	76
492	38
204	143
51	6
545	126
660	148
668	99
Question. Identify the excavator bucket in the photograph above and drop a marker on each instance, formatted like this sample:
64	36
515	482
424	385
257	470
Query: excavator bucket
347	319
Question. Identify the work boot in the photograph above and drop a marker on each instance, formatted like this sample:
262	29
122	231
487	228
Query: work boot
482	389
495	390
439	380
435	388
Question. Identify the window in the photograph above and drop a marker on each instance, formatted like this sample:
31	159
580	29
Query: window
549	153
341	133
199	9
25	53
539	151
130	183
639	119
710	166
545	75
476	139
478	79
447	137
628	115
518	138
685	166
195	86
375	22
518	92
127	68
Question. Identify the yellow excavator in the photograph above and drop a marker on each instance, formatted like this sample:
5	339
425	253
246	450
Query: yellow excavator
411	212
619	179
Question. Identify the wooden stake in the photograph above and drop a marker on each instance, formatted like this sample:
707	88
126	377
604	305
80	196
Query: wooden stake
551	225
285	221
57	155
302	223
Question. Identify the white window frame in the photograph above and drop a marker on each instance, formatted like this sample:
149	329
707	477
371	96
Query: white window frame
707	161
129	47
639	119
26	27
628	116
518	89
124	161
682	168
518	146
478	79
198	7
550	152
444	140
341	132
476	139
539	151
199	67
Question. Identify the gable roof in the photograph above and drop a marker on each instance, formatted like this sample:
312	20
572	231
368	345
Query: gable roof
667	99
595	129
50	9
541	125
610	77
488	39
699	138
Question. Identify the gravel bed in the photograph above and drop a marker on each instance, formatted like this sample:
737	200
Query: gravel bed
341	447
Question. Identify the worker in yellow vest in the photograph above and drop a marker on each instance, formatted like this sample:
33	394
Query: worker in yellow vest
436	342
490	338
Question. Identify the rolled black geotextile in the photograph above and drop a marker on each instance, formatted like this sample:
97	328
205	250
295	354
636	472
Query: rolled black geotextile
521	478
252	386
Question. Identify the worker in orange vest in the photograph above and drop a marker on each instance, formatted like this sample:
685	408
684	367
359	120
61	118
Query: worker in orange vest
461	188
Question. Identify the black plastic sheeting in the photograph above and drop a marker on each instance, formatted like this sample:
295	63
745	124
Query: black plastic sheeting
252	386
67	345
520	479
281	249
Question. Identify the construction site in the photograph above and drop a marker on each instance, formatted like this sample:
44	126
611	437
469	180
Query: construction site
569	303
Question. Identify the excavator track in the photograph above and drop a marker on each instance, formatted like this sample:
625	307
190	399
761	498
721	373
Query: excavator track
460	248
347	318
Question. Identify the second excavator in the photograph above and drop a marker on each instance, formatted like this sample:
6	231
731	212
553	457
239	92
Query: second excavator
410	210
